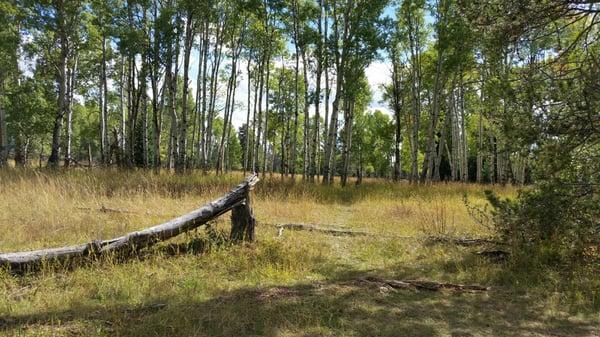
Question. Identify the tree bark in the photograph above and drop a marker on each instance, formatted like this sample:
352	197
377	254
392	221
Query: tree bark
61	78
348	121
213	92
296	92
181	162
340	59
3	135
102	101
247	127
397	102
156	109
315	136
243	221
72	73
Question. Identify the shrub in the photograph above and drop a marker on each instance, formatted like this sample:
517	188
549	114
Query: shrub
558	218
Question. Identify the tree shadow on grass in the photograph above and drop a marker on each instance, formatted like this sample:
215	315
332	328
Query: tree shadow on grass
344	305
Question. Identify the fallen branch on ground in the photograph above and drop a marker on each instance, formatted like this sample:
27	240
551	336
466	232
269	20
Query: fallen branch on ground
461	241
105	209
423	285
315	228
132	242
496	255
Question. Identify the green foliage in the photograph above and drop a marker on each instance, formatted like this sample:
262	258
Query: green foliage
549	112
373	142
28	109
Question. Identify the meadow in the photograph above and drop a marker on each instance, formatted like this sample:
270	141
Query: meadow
297	284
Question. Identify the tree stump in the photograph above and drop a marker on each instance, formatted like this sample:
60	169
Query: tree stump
242	221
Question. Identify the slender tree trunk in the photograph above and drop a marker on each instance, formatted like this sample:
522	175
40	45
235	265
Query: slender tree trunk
145	150
196	118
68	120
181	161
247	127
282	113
3	135
156	109
72	73
429	162
103	103
131	112
340	59
492	154
122	109
348	120
175	121
480	140
306	142
416	97
316	132
213	92
266	132
397	101
229	124
296	92
41	157
229	106
269	34
21	149
464	148
256	123
326	70
53	160
359	170
442	144
258	119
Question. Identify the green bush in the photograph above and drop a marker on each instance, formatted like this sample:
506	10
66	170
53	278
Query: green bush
560	219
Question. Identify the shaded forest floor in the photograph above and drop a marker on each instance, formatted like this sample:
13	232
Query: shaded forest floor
298	284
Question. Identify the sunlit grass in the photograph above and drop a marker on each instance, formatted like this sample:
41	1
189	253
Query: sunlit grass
300	284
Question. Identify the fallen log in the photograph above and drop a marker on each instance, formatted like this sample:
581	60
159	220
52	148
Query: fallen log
105	209
135	241
424	285
315	228
461	241
494	255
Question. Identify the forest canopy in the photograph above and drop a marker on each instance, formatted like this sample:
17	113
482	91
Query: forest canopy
493	91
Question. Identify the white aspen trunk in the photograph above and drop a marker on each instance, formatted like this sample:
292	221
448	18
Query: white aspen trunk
213	92
103	105
183	126
296	92
53	160
348	121
69	129
266	119
122	107
3	135
247	127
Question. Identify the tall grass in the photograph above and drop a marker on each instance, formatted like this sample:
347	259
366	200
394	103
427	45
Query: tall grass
300	284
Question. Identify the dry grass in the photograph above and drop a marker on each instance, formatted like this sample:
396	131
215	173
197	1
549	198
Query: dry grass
298	285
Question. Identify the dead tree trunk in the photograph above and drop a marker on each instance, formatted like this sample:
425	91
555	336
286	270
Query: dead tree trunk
243	221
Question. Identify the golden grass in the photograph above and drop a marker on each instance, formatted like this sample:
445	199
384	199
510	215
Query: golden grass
301	284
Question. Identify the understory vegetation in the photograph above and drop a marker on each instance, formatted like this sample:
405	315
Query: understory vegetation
296	284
